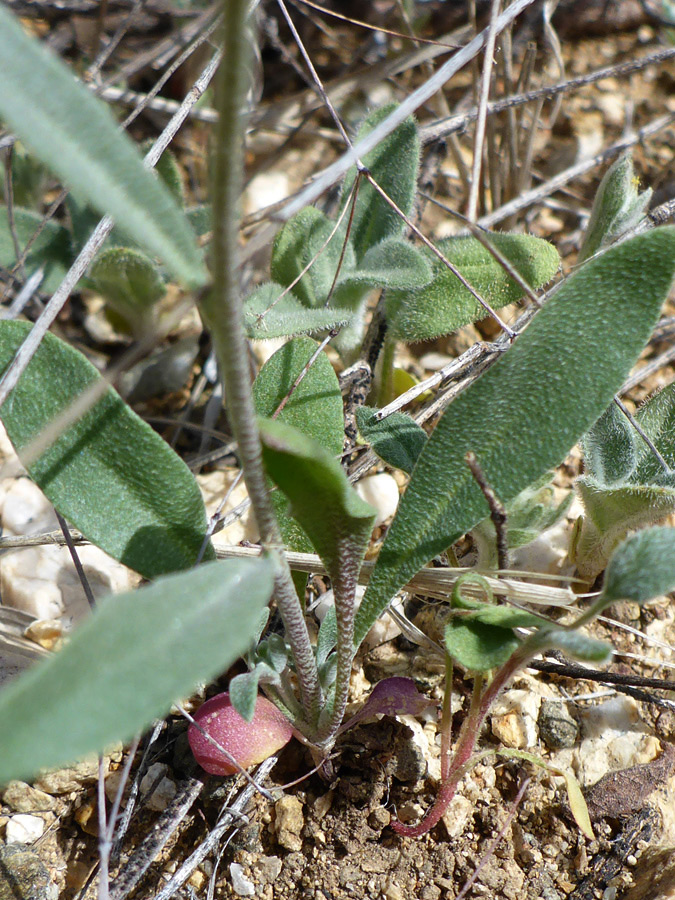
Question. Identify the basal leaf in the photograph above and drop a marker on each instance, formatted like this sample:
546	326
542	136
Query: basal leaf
51	248
394	263
610	513
445	304
137	654
642	567
610	452
130	283
77	137
522	416
617	207
109	474
266	316
398	439
394	165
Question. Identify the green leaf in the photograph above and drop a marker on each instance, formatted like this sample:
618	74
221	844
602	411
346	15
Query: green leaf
657	418
130	283
478	647
522	416
610	454
617	207
51	248
573	643
398	439
642	567
314	408
266	316
169	171
109	474
503	616
337	521
124	667
77	137
392	264
610	513
394	165
445	304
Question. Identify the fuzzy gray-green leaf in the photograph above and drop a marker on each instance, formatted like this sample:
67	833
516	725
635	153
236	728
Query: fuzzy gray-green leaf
657	418
109	474
394	165
77	137
610	452
137	654
479	647
394	263
130	283
617	207
398	439
51	249
642	567
266	316
445	304
522	416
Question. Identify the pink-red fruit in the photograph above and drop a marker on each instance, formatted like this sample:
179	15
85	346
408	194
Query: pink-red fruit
248	742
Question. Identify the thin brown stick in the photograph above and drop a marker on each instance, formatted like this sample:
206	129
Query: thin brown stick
497	510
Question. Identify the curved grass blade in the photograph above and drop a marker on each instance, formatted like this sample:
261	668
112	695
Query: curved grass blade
523	415
77	137
137	654
109	474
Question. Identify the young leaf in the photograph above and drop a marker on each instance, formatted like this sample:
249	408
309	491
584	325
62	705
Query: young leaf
77	137
337	521
137	654
130	283
617	207
51	248
610	513
394	165
519	423
398	439
610	454
445	304
642	567
109	474
392	264
266	316
478	647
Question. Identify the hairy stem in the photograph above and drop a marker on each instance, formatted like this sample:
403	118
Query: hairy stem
222	310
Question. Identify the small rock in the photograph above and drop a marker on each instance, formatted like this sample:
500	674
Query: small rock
514	719
86	816
163	788
269	867
73	778
409	812
381	491
22	798
289	822
24	829
557	728
264	190
241	885
23	875
458	815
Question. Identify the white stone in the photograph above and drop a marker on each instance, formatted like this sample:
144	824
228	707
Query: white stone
241	885
25	509
458	815
381	491
547	553
215	487
514	718
264	190
24	829
164	788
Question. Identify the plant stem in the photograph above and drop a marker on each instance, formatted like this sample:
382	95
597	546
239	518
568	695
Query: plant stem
222	310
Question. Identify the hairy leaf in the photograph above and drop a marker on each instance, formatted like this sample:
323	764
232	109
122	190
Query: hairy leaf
394	165
445	304
522	416
137	654
392	264
395	696
574	644
657	418
398	439
130	283
618	207
51	249
109	474
76	136
266	316
478	647
642	567
610	452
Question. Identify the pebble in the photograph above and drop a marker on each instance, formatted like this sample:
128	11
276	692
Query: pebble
269	867
71	778
514	719
24	829
458	815
163	788
289	822
23	875
22	798
557	728
241	885
381	491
